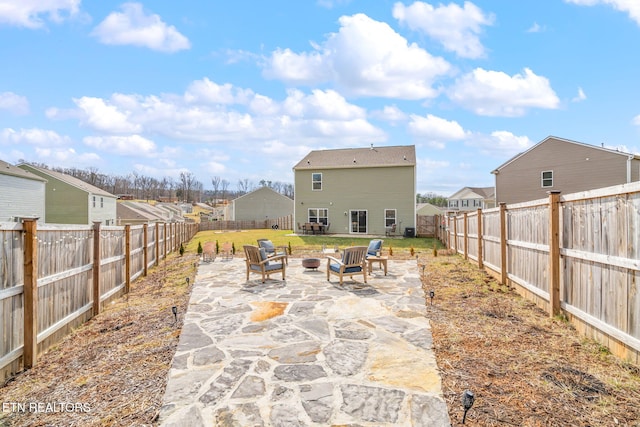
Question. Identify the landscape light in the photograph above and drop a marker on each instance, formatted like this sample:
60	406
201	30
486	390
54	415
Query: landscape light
431	295
467	402
187	280
174	309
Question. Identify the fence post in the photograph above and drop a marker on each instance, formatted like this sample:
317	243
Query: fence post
30	346
503	243
127	258
455	234
145	248
480	260
554	253
164	240
157	244
97	225
465	236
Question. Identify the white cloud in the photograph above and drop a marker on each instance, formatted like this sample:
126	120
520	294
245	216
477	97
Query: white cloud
500	143
391	114
636	120
34	136
15	104
581	96
364	58
632	7
33	13
133	27
206	91
132	145
435	130
66	157
98	115
457	28
536	28
321	104
494	93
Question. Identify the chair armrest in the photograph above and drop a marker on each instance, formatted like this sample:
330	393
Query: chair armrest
330	258
275	257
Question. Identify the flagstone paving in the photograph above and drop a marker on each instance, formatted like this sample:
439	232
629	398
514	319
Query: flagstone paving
304	352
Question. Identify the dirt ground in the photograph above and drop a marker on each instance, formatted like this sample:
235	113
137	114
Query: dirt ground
524	368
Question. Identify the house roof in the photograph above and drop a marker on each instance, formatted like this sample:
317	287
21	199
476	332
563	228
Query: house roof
399	155
68	179
428	209
582	144
479	192
267	190
9	169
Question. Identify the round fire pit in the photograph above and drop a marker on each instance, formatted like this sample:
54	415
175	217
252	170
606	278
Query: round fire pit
312	263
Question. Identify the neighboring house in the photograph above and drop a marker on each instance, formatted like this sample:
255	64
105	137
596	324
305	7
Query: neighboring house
21	194
259	205
557	164
428	209
70	200
472	198
132	212
357	190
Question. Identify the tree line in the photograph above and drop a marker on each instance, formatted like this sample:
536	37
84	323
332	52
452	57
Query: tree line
186	188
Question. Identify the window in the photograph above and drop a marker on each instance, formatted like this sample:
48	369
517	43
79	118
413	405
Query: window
316	181
320	215
477	203
102	202
465	203
94	201
453	203
389	217
547	179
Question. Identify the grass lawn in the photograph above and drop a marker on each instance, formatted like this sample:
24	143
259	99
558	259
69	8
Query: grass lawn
302	245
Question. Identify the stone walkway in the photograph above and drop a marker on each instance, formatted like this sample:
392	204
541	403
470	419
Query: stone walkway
304	352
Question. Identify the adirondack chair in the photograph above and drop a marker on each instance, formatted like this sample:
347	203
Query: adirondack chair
209	252
258	262
353	262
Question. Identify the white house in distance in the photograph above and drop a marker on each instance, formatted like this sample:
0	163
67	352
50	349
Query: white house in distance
471	199
21	194
258	205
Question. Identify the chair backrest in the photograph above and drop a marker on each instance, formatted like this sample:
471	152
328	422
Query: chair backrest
267	244
209	247
252	253
375	247
327	227
355	255
316	226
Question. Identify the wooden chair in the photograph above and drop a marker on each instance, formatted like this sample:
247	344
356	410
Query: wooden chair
317	228
273	250
258	262
353	262
390	231
375	247
227	250
209	252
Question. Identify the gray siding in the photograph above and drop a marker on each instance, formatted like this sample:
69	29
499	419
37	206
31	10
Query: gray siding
260	205
21	197
576	167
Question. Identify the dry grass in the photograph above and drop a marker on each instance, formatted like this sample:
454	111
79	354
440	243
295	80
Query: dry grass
524	368
116	364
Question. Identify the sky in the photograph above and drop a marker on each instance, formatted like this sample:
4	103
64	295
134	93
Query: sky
244	89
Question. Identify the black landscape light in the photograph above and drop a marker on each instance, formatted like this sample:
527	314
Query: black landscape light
174	310
187	280
467	402
431	295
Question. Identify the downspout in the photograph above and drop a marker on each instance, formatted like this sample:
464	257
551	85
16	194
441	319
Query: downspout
629	158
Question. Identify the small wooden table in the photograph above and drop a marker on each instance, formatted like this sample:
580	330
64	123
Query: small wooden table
381	260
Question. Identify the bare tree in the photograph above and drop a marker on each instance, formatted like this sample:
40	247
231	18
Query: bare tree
243	186
224	185
215	182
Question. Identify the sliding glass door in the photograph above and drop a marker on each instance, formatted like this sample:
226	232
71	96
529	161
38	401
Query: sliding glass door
358	222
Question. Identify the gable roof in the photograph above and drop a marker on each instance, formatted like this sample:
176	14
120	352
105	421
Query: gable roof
581	144
482	192
398	155
264	189
9	169
68	179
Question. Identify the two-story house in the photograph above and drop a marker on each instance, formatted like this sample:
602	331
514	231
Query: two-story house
357	190
69	200
21	194
557	164
471	199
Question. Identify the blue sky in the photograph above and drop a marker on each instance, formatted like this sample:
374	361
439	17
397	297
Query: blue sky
244	89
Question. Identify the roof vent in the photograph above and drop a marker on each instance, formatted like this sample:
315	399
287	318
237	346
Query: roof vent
308	162
404	157
354	160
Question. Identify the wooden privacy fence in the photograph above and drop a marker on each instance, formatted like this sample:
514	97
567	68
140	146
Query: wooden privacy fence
576	255
49	276
430	226
282	223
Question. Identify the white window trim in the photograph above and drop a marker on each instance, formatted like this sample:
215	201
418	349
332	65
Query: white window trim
318	216
395	217
542	179
313	182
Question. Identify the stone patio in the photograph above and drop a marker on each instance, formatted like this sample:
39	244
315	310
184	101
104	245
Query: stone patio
304	352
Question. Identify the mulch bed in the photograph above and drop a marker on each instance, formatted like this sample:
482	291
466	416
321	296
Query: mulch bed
524	368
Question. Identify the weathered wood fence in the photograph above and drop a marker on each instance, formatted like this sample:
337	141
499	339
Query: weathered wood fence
577	255
49	276
282	223
430	226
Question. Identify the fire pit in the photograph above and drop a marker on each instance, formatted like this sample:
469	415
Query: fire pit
311	263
